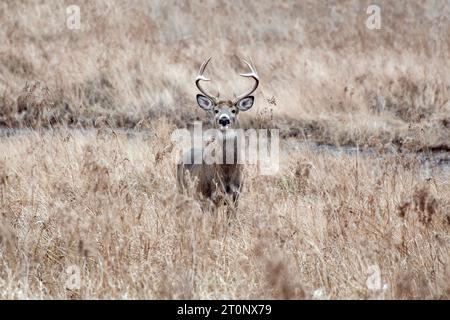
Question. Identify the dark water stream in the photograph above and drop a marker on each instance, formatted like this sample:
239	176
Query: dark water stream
430	164
435	164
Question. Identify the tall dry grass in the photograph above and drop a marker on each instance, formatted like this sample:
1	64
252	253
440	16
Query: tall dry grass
104	200
106	203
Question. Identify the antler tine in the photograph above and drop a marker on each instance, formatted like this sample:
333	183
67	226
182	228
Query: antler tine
201	77
202	69
252	69
252	74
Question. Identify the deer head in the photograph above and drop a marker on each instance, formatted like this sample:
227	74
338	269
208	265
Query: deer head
224	113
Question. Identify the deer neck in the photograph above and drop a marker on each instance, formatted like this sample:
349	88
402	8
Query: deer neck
228	141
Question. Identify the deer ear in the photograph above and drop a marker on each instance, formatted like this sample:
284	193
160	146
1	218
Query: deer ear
204	102
245	103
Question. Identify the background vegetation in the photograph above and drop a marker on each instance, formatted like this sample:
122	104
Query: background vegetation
104	200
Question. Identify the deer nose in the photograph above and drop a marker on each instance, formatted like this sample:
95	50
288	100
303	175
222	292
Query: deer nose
224	121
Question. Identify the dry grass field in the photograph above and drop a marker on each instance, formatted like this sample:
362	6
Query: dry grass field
87	172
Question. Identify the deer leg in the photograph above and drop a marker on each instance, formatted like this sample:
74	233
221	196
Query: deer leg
234	192
236	198
232	200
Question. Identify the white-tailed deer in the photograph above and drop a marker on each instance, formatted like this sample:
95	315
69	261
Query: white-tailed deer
218	182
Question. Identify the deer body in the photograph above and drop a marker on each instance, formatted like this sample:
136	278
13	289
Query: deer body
215	182
220	181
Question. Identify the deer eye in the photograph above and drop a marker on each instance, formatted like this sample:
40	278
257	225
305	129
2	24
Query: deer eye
216	111
233	111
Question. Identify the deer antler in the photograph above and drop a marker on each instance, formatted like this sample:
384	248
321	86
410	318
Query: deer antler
252	74
201	77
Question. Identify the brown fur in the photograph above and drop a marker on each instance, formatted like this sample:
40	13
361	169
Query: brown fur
220	183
